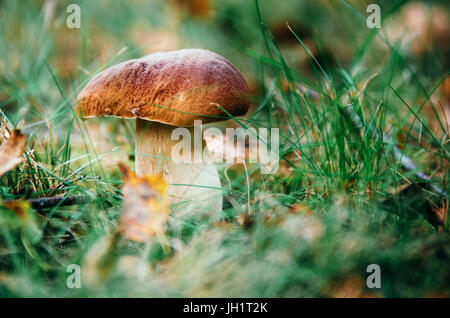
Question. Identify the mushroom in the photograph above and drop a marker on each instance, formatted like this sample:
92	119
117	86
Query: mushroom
164	90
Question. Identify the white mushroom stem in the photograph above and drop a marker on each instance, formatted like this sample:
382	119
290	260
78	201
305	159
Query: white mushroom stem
195	183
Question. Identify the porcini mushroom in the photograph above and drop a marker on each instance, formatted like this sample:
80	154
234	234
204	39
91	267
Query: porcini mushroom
163	90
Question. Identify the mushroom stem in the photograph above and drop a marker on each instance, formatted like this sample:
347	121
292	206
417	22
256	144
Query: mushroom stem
190	183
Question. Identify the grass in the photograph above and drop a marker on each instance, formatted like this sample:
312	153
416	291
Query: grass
341	199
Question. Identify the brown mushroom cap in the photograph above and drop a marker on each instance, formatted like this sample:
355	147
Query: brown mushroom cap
174	88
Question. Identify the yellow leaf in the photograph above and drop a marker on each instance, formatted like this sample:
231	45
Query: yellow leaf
11	152
146	205
19	207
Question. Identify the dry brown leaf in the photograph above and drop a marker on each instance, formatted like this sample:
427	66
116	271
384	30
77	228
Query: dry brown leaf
19	207
11	152
146	205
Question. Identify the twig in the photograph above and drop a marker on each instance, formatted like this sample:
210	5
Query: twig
43	203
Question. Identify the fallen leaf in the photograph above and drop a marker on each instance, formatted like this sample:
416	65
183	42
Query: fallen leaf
146	205
11	152
19	207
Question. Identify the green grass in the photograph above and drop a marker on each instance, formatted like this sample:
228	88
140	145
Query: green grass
342	175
